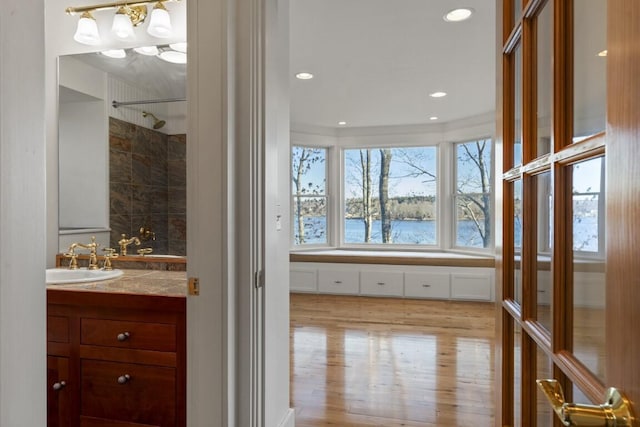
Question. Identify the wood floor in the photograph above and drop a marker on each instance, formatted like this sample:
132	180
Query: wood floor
359	361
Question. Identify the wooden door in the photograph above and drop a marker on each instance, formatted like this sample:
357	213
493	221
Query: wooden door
568	264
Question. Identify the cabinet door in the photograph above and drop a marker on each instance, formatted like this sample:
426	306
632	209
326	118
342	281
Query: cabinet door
128	392
58	400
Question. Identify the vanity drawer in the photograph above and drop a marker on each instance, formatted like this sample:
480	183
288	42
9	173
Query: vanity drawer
381	283
426	285
133	335
58	329
339	281
128	392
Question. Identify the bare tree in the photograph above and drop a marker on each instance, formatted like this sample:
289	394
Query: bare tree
385	208
303	159
367	214
476	205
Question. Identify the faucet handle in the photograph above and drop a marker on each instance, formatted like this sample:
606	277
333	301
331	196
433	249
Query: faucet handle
144	251
73	262
110	253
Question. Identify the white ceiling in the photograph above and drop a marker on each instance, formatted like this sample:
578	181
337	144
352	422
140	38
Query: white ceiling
375	62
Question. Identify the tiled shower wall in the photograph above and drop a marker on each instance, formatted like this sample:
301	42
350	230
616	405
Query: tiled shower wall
147	179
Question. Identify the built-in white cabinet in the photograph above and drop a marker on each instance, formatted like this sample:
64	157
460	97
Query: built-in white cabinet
427	285
429	282
339	281
381	283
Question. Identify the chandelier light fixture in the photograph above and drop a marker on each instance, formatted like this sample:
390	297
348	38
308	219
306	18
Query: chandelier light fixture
128	15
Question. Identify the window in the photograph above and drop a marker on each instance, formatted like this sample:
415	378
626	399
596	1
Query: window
309	195
473	194
390	196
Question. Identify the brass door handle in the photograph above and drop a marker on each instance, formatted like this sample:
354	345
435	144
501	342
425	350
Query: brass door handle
614	412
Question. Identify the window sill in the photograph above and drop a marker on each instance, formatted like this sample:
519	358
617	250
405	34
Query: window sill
442	259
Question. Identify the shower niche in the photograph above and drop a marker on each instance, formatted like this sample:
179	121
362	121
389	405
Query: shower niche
122	168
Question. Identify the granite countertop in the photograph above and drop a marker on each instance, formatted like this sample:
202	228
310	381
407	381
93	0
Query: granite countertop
141	282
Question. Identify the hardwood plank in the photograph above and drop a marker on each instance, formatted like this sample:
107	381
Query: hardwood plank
358	361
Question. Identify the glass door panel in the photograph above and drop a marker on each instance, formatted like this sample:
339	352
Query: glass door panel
517	107
517	374
544	279
517	240
588	264
544	53
589	65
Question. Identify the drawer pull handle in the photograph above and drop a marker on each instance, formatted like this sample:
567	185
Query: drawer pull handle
123	379
59	385
426	286
123	336
541	292
337	282
380	283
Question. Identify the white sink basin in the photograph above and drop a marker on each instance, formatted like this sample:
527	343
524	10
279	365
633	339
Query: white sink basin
82	275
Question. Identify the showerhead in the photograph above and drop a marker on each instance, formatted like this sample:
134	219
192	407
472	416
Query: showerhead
157	123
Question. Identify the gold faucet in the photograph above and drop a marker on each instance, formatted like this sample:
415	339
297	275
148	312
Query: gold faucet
110	254
146	233
73	256
124	242
93	257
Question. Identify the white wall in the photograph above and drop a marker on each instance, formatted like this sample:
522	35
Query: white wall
22	215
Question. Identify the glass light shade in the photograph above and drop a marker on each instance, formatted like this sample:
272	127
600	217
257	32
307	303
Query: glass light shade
146	50
173	56
115	53
122	26
180	47
160	24
457	15
87	31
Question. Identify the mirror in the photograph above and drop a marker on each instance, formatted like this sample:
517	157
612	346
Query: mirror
122	166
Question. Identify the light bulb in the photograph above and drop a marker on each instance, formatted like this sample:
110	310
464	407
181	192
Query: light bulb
115	53
146	50
122	26
173	56
160	24
87	31
180	47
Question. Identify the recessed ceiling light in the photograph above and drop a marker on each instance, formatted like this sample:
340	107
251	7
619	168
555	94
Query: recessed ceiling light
304	76
146	50
438	94
173	56
603	53
342	123
457	15
433	118
114	53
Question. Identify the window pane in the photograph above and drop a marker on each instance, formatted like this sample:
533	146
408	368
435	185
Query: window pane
390	196
517	374
590	67
517	108
308	184
544	368
517	240
544	78
544	242
310	220
473	194
589	293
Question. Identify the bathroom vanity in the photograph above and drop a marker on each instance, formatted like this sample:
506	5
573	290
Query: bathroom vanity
116	351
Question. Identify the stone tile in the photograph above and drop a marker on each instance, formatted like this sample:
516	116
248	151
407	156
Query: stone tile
177	227
120	224
177	200
178	247
119	166
159	200
177	147
119	198
140	169
141	196
158	172
177	171
121	129
119	144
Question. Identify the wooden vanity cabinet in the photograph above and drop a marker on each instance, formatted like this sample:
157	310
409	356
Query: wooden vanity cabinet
115	360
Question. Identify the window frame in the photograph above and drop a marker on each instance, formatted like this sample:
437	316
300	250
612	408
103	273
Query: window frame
454	198
326	195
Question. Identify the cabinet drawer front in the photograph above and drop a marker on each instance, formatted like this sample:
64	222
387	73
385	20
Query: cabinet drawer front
381	283
339	282
128	392
426	285
302	280
135	335
58	329
471	286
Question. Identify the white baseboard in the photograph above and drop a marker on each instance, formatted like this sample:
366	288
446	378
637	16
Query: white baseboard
289	419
